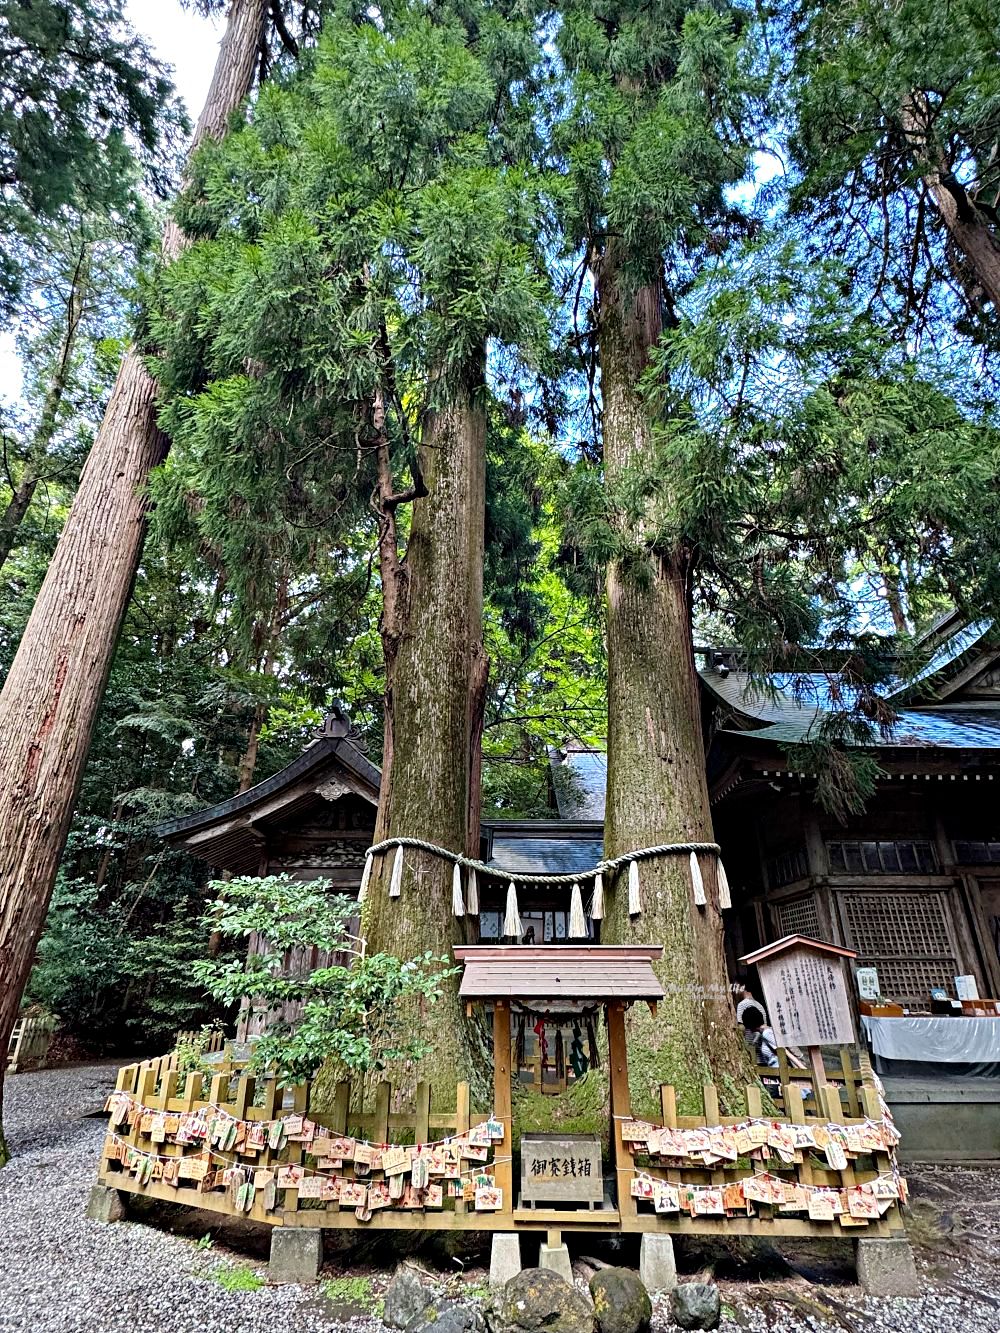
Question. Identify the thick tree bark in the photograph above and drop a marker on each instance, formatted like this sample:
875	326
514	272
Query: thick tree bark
45	431
435	665
969	228
52	694
657	790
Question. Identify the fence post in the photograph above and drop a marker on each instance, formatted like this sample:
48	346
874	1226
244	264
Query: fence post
461	1127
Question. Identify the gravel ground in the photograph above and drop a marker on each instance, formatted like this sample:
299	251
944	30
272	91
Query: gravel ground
60	1272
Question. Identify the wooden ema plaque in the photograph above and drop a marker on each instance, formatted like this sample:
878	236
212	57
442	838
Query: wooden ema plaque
561	1168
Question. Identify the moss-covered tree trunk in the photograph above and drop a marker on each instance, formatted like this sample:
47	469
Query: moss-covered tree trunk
50	699
435	677
657	790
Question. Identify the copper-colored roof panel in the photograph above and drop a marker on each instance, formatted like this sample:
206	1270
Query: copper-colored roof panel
566	972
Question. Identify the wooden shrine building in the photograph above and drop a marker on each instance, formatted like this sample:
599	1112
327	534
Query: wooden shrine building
912	884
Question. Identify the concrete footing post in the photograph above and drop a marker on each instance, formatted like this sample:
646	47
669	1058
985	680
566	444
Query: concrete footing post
556	1258
886	1267
505	1258
657	1267
105	1204
296	1254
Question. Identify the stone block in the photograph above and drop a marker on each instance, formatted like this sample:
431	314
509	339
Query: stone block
696	1305
657	1266
621	1301
296	1254
105	1204
505	1257
886	1267
555	1258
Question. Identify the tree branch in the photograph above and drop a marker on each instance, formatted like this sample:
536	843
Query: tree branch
287	40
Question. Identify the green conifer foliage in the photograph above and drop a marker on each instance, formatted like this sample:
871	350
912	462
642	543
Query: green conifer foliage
82	102
894	114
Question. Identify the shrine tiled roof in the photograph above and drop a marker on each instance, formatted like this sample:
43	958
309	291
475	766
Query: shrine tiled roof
945	727
546	856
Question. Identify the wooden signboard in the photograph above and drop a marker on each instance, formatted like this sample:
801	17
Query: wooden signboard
561	1168
805	991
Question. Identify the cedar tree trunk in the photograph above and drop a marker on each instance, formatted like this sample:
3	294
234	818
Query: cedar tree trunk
435	684
657	790
52	694
27	484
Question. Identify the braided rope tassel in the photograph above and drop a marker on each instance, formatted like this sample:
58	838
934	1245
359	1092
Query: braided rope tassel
472	894
725	896
396	882
697	882
512	918
366	875
577	921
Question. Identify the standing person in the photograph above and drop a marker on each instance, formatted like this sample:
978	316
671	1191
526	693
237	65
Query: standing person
759	1035
744	998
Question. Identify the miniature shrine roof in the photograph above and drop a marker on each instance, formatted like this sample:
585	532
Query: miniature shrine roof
594	972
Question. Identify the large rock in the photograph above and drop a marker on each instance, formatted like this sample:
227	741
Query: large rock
406	1298
538	1299
621	1302
447	1317
696	1305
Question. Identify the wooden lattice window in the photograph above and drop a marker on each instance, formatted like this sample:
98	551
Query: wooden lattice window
798	916
787	867
901	856
977	853
907	936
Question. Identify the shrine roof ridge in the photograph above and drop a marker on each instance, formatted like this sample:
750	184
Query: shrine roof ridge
795	942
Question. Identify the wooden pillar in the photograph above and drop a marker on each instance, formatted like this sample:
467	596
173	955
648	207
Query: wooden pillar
818	1073
502	1109
621	1106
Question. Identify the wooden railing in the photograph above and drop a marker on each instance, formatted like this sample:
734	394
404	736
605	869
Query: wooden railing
160	1096
141	1155
214	1042
29	1042
813	1109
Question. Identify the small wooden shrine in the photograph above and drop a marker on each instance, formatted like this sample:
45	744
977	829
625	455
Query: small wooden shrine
557	981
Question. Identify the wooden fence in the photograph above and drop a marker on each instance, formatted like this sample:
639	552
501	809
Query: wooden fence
160	1098
29	1042
796	1170
213	1042
303	1174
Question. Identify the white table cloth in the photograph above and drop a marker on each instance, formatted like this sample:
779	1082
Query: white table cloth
936	1040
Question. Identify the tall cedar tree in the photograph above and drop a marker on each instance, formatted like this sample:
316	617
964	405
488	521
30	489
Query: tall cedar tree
894	119
81	98
654	135
50	698
367	241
